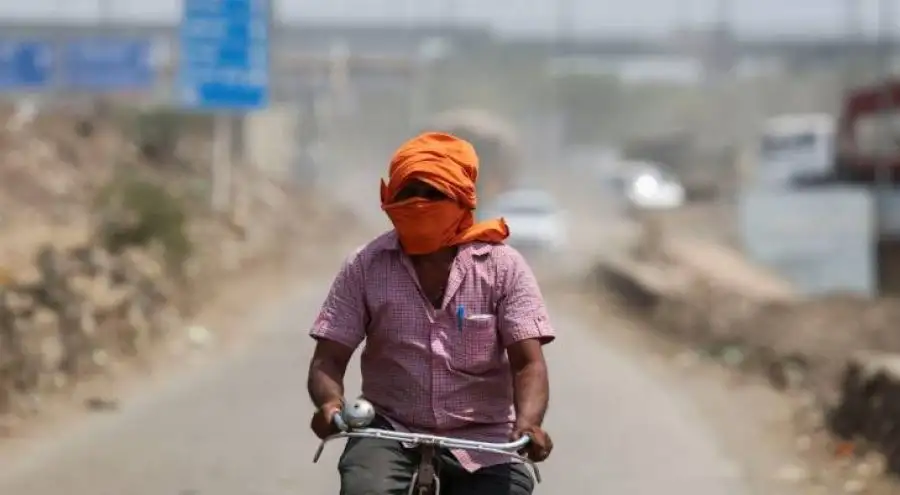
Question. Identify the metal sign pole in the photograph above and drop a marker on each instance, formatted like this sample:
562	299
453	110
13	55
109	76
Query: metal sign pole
222	162
229	82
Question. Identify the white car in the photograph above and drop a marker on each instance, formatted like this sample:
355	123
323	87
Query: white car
646	186
536	222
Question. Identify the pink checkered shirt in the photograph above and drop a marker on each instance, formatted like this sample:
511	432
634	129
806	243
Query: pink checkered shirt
419	369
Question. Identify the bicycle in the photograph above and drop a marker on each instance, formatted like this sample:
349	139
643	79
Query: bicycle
353	422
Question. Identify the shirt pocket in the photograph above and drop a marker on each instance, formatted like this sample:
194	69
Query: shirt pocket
476	348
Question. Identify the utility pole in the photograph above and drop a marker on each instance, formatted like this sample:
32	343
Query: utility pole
721	61
449	13
563	31
853	39
721	51
723	12
886	16
417	79
104	14
885	157
562	41
565	20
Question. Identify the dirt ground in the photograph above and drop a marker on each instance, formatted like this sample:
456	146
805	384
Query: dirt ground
773	435
778	437
791	421
648	434
208	337
756	425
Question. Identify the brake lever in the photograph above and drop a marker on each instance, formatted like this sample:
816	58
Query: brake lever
339	422
342	427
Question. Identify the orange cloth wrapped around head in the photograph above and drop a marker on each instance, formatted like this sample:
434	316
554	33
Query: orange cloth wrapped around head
450	165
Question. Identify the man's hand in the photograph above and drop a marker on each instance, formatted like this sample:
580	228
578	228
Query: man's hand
322	423
540	446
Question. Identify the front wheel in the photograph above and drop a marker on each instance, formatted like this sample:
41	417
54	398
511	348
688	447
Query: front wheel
416	488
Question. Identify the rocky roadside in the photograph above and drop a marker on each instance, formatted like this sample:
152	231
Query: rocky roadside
211	332
110	254
85	308
815	354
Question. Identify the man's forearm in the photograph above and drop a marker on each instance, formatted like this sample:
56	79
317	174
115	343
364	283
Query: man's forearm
325	383
531	387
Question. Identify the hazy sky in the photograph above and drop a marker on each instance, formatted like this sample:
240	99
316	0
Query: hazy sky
751	17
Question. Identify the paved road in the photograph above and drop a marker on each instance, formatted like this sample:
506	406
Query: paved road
239	428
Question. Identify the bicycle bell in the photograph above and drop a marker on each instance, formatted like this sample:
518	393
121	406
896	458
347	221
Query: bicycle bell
358	414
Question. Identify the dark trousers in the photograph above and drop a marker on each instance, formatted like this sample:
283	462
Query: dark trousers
383	467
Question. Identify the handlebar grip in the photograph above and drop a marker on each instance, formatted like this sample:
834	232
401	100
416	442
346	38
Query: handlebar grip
523	441
339	422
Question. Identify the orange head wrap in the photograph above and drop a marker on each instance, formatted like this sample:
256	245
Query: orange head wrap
450	165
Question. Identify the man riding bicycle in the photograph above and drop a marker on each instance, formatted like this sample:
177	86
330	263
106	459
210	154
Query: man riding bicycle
454	325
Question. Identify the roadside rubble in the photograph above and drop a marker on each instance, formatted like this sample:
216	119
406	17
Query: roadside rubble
85	308
108	246
836	357
870	407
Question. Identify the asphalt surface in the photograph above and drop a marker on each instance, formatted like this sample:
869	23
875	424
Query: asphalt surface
239	427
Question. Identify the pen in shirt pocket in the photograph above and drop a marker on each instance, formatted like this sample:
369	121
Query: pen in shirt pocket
460	317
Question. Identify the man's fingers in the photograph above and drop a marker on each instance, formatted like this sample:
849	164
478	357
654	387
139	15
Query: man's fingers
322	423
538	448
541	456
539	453
541	447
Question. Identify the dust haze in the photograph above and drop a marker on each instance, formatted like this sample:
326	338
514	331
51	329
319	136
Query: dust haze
656	297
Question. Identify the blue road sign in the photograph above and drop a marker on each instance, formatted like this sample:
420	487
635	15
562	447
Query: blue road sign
224	62
25	65
107	64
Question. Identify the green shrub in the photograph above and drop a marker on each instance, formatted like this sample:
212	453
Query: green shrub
157	131
138	212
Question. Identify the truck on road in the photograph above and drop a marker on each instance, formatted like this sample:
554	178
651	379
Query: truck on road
868	134
795	149
494	141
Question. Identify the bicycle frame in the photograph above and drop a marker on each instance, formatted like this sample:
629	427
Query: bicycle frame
426	480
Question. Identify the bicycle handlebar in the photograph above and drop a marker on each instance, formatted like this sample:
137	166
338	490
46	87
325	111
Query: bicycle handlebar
510	449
